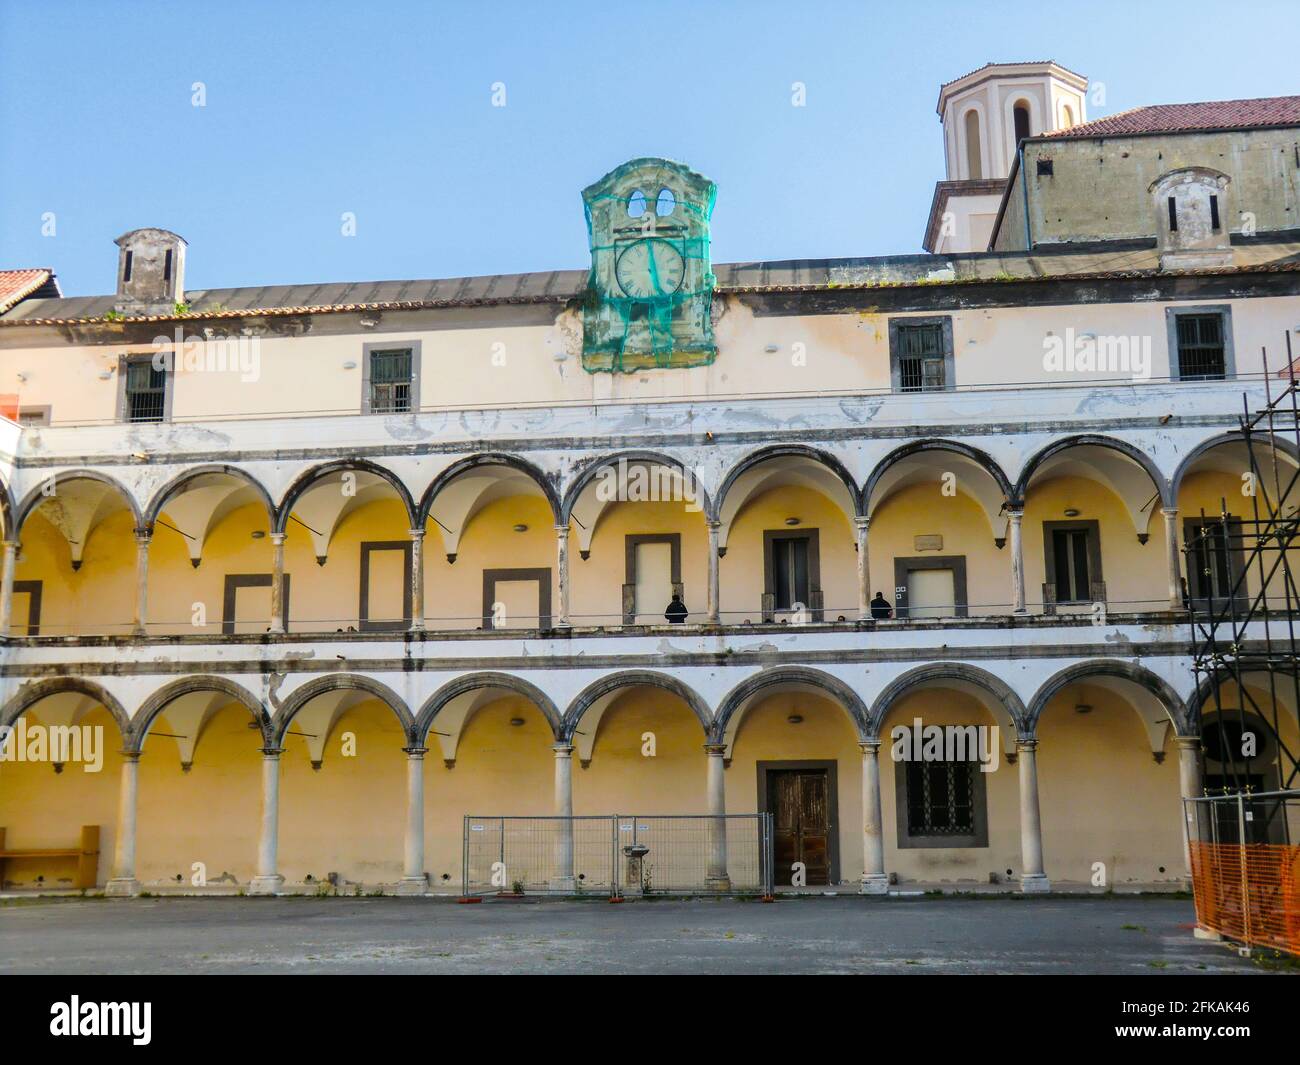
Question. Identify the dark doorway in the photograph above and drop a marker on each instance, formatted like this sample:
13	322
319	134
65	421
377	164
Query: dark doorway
800	803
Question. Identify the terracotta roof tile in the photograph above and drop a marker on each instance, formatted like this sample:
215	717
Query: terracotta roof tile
16	285
1178	118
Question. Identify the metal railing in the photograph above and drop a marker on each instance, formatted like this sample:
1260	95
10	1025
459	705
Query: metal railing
1246	866
618	855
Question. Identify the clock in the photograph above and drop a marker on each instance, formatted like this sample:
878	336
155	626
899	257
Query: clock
648	268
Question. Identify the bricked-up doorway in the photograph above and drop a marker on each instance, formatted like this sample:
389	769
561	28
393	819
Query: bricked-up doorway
801	796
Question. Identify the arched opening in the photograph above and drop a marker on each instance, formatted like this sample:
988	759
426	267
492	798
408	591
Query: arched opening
785	527
974	164
938	526
76	565
352	519
1106	746
639	520
490	539
61	778
1020	117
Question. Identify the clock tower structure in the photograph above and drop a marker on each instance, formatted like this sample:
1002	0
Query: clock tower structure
649	296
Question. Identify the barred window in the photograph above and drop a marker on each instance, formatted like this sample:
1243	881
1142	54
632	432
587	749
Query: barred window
1200	347
940	798
920	351
390	381
146	391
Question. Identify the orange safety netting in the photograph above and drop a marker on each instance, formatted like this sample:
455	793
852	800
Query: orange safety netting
1249	893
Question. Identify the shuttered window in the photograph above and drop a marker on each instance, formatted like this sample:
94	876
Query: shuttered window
390	381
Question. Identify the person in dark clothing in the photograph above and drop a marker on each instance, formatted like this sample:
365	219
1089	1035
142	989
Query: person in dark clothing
880	610
676	612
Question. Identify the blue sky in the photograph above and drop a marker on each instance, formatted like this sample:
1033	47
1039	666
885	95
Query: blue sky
385	110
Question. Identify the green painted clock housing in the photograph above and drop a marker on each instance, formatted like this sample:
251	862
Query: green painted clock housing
649	299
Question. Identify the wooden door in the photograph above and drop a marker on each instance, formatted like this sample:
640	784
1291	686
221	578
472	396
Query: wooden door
801	830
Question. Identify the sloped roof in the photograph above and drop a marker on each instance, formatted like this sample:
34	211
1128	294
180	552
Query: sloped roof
17	285
1263	112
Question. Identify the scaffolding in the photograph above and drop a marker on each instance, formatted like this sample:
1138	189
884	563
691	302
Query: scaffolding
1242	592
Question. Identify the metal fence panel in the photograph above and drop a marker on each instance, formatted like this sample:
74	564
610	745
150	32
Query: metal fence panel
618	854
1245	867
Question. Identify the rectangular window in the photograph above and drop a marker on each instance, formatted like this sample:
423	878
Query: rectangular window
1173	215
1073	576
1214	555
920	358
790	572
1200	339
391	377
145	391
941	798
920	354
1214	213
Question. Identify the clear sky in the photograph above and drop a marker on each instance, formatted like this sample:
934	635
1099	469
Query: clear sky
385	110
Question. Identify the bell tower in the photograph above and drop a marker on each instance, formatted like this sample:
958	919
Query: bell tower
649	296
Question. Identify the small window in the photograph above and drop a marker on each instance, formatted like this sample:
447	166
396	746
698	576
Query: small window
974	164
636	205
167	266
941	798
1044	168
666	203
126	267
1173	215
920	355
391	378
1214	213
33	415
146	391
1200	347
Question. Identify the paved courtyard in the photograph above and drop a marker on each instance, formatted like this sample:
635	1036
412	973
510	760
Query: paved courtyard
1126	934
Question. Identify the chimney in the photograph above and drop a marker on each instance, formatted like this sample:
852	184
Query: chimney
150	272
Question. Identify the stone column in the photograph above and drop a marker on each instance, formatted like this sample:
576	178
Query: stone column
417	580
562	562
1175	567
1189	787
874	880
716	879
1032	877
123	881
268	881
7	586
860	525
414	879
563	878
1015	517
714	610
277	582
142	538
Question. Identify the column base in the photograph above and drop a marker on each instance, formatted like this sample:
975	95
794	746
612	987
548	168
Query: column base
1035	884
413	885
266	885
122	887
877	884
718	883
563	885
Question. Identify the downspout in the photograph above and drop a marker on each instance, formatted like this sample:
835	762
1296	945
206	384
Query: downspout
1024	188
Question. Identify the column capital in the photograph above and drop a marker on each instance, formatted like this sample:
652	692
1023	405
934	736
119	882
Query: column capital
278	538
1188	743
871	747
1169	512
131	756
416	752
271	752
416	534
1015	511
715	750
712	524
862	521
1029	746
562	750
561	530
143	536
11	546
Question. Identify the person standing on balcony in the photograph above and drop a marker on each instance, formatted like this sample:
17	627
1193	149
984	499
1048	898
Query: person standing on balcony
881	610
676	612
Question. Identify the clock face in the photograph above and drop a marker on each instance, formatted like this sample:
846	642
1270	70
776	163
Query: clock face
648	268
